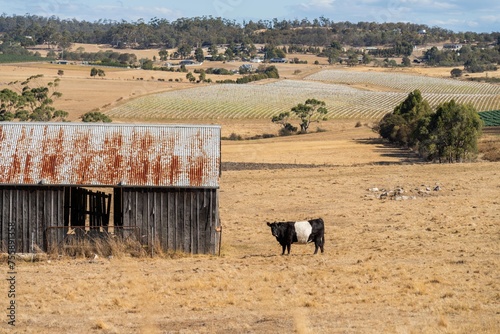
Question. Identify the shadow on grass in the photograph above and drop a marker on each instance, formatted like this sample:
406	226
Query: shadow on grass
386	149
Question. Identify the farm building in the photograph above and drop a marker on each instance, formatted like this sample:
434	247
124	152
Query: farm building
156	183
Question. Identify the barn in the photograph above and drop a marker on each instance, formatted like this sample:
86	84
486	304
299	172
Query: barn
156	183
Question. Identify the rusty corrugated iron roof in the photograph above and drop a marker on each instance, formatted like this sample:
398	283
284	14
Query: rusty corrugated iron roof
109	154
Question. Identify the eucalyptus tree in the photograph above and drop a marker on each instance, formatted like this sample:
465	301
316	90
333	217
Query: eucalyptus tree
311	111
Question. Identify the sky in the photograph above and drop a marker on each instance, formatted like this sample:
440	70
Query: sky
456	15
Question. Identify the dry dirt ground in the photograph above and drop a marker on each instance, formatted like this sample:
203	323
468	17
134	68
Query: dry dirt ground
428	263
425	263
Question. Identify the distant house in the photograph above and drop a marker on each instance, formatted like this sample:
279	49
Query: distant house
187	62
453	47
278	60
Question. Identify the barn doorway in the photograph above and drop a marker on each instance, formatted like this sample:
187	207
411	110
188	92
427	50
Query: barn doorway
89	208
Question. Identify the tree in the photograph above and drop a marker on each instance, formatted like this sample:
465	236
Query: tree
9	103
184	50
229	54
366	58
453	133
32	102
95	117
147	64
97	71
450	134
163	54
190	77
203	76
406	62
456	73
311	111
282	120
400	125
198	55
213	50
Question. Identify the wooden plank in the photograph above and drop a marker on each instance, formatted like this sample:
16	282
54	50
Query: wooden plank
216	225
158	208
195	218
171	219
67	205
138	204
164	219
186	226
16	218
149	195
179	220
45	202
28	227
208	228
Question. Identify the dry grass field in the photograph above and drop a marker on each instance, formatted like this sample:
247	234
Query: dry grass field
428	262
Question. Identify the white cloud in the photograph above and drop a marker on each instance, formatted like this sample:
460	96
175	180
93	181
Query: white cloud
318	4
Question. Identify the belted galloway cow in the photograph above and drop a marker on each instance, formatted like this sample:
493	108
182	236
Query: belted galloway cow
302	232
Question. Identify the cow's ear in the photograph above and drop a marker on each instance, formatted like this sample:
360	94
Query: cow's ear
268	224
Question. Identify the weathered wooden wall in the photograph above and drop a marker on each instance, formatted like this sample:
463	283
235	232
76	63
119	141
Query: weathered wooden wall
172	218
178	219
32	210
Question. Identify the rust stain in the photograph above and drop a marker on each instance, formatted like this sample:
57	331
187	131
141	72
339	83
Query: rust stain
174	170
28	167
114	158
196	171
81	144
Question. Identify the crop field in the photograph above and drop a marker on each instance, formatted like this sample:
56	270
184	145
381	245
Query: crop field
262	101
490	118
482	96
231	101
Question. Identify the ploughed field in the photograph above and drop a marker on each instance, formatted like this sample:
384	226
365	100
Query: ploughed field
347	94
419	254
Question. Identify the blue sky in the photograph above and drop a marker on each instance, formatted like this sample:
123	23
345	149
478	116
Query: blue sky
456	15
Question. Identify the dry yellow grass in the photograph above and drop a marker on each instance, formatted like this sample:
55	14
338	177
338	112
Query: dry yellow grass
425	265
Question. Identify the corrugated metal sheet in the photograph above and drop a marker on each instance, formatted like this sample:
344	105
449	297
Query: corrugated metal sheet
104	154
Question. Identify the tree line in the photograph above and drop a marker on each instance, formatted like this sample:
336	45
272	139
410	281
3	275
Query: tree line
448	134
30	100
203	31
322	37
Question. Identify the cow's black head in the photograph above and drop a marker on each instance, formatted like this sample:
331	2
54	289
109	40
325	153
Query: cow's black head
275	229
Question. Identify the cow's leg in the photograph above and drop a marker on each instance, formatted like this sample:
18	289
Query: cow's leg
288	246
318	244
283	247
